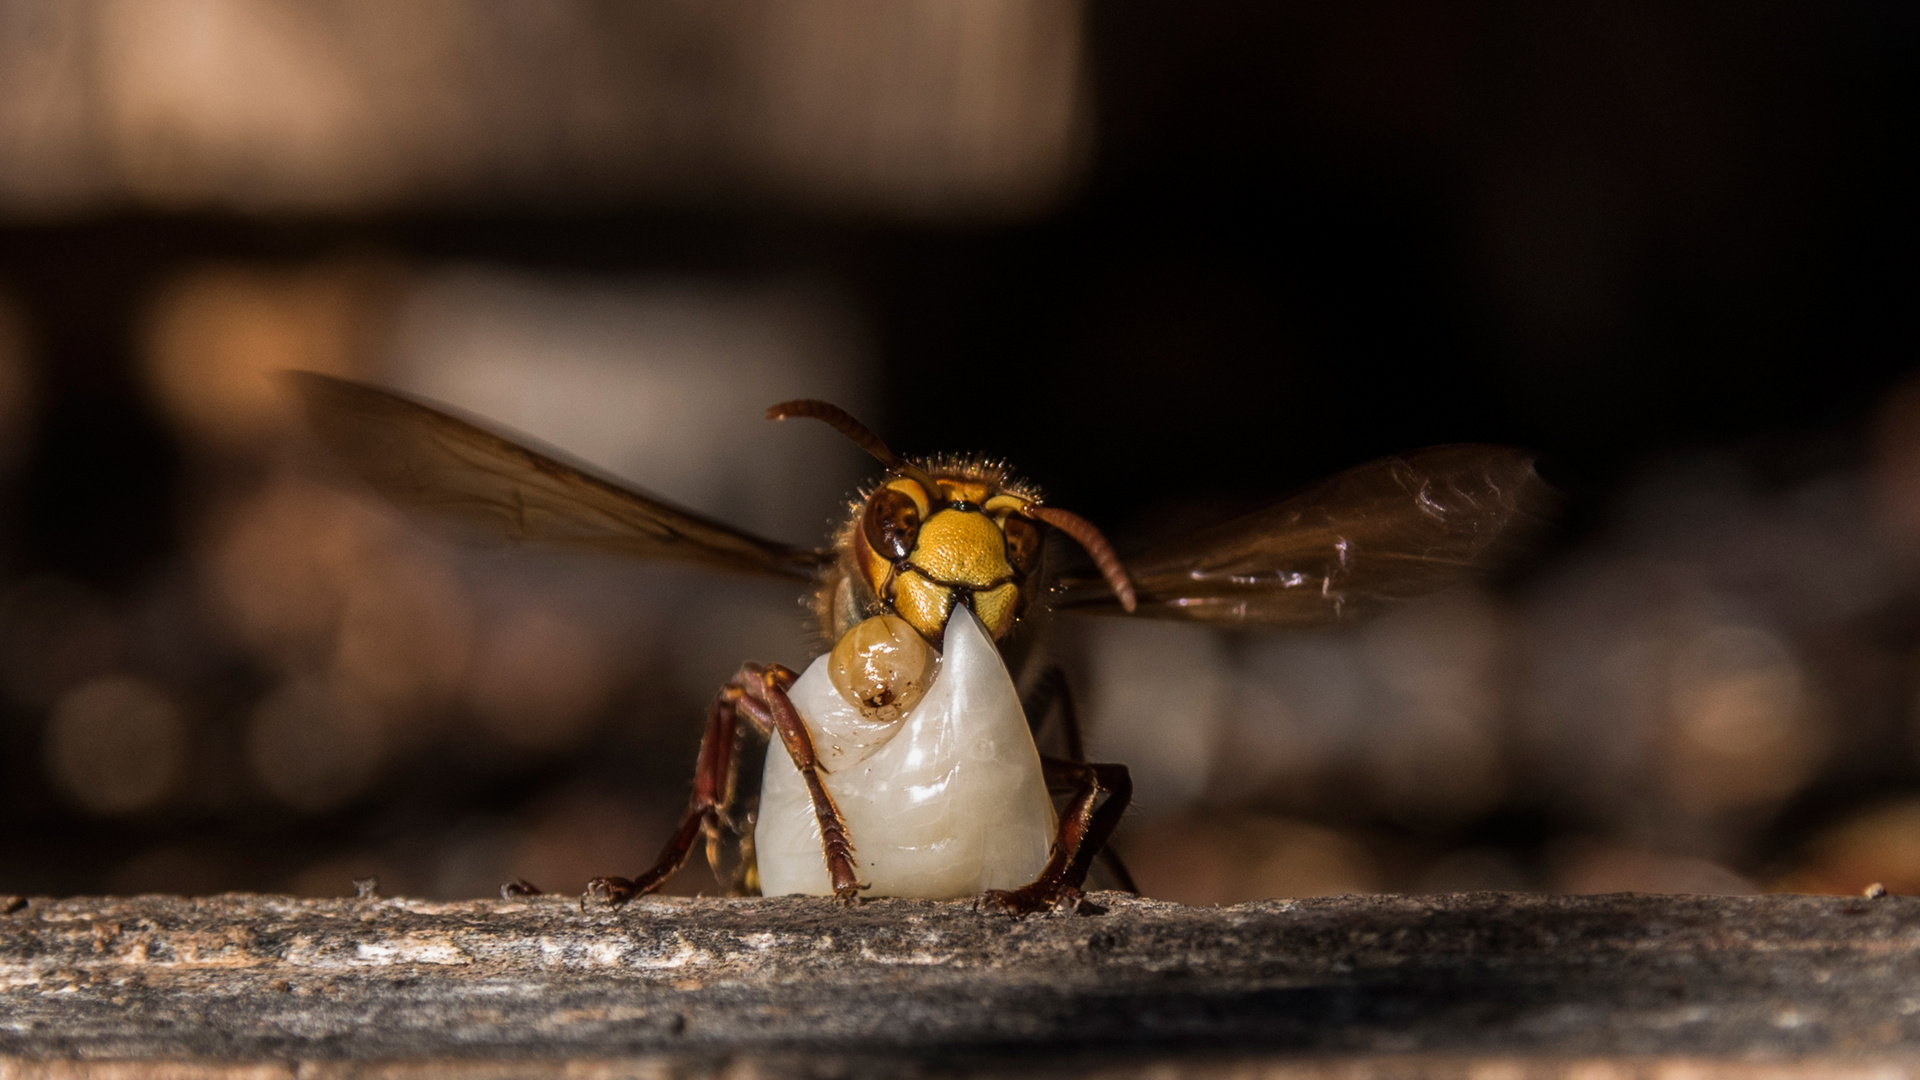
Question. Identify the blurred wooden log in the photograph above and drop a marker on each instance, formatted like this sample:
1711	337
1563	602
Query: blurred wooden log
901	107
243	985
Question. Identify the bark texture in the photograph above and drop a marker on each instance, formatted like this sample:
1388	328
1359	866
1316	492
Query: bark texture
244	985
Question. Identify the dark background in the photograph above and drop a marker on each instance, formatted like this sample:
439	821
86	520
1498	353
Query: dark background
1628	235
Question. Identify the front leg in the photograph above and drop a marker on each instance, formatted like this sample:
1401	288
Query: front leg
1084	830
758	695
834	841
712	787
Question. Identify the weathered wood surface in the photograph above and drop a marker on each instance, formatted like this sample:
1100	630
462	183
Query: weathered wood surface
269	986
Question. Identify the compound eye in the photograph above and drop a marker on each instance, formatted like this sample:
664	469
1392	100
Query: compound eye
1023	542
892	523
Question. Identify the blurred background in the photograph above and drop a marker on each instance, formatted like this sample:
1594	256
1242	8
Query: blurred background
1171	259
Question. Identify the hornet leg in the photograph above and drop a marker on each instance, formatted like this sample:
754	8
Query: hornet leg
1052	689
834	842
1084	830
712	776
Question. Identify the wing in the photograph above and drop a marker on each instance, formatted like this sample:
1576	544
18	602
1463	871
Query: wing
424	459
1392	530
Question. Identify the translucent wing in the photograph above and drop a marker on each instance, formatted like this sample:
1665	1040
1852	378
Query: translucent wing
1391	530
422	458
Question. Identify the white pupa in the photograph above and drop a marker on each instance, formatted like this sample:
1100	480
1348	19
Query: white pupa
946	801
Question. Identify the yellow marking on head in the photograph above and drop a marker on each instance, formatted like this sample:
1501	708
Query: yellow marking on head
970	491
912	490
962	547
1003	504
873	566
969	550
923	604
997	608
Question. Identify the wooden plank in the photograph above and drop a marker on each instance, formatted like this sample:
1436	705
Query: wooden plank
244	985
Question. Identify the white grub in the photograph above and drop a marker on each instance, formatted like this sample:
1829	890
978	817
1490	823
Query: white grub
946	801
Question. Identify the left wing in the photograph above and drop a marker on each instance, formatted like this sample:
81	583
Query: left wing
426	459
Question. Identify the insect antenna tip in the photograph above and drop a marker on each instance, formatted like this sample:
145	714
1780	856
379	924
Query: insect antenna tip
1095	544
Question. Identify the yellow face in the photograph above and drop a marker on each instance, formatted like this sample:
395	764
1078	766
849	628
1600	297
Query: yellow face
923	552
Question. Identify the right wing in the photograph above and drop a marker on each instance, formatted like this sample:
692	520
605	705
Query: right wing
1389	531
424	459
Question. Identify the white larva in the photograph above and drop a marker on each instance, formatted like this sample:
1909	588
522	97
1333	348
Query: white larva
947	801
